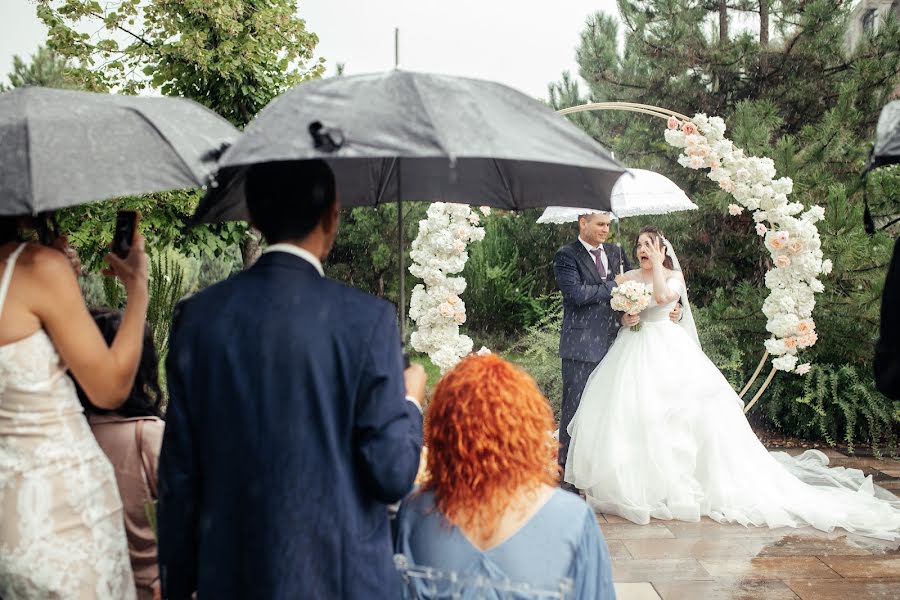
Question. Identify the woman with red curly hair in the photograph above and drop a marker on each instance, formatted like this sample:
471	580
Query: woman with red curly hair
489	506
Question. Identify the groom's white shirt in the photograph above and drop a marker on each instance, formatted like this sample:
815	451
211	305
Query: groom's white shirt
298	252
603	258
311	259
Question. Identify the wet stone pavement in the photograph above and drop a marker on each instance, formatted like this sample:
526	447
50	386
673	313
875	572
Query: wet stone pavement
672	560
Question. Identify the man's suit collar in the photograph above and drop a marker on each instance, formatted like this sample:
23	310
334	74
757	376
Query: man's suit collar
287	261
299	253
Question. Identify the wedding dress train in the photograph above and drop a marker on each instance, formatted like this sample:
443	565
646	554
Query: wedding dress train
661	433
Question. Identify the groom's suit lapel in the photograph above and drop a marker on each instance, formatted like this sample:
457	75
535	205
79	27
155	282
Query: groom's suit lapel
587	261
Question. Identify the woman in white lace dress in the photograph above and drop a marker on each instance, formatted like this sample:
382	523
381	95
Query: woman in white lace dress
61	527
661	434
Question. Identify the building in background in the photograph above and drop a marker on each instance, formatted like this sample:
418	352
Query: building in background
866	17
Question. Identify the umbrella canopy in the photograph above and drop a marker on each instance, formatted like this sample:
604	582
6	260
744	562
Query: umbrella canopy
419	136
61	148
887	137
638	192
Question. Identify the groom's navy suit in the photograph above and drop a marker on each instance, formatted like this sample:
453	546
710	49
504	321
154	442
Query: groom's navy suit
589	323
287	434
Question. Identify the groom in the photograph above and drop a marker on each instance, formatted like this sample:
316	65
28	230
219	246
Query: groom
585	273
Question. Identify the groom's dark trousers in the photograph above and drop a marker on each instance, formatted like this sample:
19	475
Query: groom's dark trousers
589	324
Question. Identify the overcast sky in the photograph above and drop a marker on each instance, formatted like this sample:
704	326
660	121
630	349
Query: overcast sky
523	43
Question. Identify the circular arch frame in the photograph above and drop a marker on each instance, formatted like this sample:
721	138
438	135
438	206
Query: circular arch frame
664	113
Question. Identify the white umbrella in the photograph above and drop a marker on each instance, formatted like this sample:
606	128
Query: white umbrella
638	192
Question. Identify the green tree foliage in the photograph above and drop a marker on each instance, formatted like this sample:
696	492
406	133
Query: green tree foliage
45	69
799	96
233	56
366	253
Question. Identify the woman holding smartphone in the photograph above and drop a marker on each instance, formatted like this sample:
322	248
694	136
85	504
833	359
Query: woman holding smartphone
61	524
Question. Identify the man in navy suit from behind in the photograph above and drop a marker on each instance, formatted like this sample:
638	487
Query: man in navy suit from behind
291	423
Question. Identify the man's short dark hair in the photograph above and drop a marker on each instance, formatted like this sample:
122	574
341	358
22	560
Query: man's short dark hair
286	200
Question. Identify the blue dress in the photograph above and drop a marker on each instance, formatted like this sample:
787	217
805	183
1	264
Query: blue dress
561	541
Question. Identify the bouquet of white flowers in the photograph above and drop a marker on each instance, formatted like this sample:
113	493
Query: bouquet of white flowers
631	297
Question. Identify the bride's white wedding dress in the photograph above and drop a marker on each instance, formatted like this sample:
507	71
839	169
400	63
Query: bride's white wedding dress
660	433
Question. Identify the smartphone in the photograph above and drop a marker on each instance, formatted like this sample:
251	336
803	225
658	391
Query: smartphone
126	232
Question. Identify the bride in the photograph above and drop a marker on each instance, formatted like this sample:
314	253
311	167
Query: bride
660	433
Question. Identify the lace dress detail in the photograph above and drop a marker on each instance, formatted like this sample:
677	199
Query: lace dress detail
61	526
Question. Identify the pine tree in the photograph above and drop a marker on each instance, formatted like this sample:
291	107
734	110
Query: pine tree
45	69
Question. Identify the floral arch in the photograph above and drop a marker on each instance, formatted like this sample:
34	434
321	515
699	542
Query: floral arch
788	230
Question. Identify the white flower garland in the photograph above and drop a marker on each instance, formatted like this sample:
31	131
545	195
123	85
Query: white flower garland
793	242
439	251
789	231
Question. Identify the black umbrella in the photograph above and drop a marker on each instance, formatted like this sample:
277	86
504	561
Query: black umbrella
887	137
61	148
418	136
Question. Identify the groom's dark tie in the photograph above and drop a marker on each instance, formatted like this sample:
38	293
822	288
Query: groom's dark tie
597	252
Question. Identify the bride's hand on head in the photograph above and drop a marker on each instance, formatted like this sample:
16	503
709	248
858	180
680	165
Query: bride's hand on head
656	252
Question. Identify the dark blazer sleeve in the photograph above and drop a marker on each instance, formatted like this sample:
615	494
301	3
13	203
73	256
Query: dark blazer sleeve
887	350
387	427
572	286
177	485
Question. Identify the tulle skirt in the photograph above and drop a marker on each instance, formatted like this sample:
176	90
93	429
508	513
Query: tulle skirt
661	433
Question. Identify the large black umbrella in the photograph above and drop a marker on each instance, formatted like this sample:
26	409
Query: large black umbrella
61	148
418	136
887	137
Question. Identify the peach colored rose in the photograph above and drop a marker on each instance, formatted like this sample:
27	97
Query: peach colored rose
458	246
734	210
727	185
703	150
452	299
446	310
696	162
805	327
460	317
689	128
790	343
713	164
778	241
782	261
808	340
795	247
672	123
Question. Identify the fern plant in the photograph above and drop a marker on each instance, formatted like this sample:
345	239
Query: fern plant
539	349
166	289
836	403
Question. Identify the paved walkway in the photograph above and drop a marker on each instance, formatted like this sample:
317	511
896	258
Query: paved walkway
672	560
